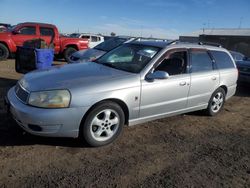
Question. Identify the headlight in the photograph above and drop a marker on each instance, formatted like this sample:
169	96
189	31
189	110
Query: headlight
50	99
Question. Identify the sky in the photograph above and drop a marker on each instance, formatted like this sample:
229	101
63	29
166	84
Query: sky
155	18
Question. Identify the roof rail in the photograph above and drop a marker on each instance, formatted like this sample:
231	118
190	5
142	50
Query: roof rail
210	44
149	39
173	42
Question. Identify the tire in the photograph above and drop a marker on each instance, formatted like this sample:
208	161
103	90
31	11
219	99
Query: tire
4	52
103	124
216	102
67	53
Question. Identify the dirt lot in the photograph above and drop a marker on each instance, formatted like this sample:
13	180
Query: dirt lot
190	150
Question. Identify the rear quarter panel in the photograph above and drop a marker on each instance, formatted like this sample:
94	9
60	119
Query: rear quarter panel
229	77
80	44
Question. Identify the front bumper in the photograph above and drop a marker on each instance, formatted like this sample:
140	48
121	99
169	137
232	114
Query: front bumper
64	122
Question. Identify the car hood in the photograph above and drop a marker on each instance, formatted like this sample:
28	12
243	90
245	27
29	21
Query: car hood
243	63
74	77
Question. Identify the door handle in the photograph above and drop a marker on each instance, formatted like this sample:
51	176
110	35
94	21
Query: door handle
213	78
182	83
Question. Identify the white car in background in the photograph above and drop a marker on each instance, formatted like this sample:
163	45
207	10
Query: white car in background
92	38
99	50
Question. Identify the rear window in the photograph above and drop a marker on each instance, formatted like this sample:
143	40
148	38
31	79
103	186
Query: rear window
45	31
222	59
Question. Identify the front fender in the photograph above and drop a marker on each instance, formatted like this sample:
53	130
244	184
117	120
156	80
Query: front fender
130	96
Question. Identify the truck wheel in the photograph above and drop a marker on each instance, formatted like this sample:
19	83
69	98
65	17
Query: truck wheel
103	124
68	52
4	52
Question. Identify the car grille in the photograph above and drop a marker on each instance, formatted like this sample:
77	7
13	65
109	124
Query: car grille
21	93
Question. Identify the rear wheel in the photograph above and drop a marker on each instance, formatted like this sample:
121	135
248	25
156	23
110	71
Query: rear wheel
68	52
103	124
216	102
4	52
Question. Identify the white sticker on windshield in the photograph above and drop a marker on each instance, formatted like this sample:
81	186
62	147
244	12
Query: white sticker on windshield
147	52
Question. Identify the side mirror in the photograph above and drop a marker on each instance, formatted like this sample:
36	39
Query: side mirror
16	32
159	75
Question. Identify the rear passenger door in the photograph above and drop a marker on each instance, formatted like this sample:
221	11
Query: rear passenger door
46	33
204	77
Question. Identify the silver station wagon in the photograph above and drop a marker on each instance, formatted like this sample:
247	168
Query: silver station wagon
137	82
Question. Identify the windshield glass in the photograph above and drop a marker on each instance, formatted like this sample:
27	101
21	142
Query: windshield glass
74	35
12	28
237	56
110	44
129	57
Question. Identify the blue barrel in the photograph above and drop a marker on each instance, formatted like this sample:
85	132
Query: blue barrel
44	58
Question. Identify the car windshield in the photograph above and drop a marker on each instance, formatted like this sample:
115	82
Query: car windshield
74	35
12	28
110	44
129	57
237	56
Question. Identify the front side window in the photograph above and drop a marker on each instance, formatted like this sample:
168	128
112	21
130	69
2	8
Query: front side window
129	57
45	31
28	30
200	61
175	63
222	59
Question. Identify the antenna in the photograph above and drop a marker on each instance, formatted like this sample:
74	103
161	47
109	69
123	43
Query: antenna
241	18
203	29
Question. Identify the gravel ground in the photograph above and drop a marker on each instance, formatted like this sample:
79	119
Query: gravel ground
190	150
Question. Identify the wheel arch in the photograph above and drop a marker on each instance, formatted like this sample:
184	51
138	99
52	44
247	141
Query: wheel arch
121	103
71	45
224	88
6	45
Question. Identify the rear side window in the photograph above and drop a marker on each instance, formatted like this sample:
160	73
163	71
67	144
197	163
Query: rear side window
45	31
222	59
201	61
94	39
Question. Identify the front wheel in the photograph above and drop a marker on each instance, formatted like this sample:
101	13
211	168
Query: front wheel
68	52
4	52
216	102
103	124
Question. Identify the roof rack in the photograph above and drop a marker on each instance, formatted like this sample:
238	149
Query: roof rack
210	44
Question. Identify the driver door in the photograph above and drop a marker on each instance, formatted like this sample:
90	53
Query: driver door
23	34
165	96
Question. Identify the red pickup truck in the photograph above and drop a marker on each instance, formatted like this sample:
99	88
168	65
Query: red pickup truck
22	32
